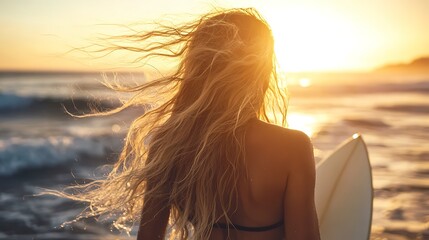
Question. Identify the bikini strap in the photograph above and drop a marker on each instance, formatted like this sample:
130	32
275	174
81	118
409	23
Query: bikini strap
248	229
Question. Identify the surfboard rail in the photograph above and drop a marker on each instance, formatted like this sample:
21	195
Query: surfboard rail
344	192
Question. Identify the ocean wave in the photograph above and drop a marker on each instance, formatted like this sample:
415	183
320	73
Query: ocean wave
422	86
11	101
356	88
11	104
372	123
19	153
423	109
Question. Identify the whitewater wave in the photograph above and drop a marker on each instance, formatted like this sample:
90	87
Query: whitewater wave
20	153
12	103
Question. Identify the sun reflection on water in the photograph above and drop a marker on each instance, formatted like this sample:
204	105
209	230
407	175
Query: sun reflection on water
303	122
304	82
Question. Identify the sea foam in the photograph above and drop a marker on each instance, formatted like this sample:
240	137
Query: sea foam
20	153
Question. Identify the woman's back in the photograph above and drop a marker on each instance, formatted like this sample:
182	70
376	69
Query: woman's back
198	155
272	152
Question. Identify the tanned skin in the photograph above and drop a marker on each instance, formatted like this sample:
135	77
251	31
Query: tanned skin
280	185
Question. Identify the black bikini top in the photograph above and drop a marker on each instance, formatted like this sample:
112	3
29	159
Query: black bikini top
248	229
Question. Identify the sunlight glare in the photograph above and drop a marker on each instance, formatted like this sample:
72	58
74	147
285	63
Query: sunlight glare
302	122
309	39
304	82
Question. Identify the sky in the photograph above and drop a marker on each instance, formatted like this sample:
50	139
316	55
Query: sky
318	35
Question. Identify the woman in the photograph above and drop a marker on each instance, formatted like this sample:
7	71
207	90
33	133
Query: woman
206	161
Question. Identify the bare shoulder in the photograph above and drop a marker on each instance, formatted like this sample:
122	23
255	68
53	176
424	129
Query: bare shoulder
288	139
292	148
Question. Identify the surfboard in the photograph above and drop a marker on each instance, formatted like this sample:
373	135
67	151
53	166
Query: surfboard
344	192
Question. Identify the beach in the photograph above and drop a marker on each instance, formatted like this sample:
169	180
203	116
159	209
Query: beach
41	146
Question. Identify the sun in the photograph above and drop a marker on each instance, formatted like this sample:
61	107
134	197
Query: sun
313	40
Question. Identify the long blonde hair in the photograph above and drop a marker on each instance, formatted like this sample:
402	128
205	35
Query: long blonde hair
189	145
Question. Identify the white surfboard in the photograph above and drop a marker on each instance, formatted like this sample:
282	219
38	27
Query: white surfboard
344	192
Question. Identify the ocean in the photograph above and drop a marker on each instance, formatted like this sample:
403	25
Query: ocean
41	146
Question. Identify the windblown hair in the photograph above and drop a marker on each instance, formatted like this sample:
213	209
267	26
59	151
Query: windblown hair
188	148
